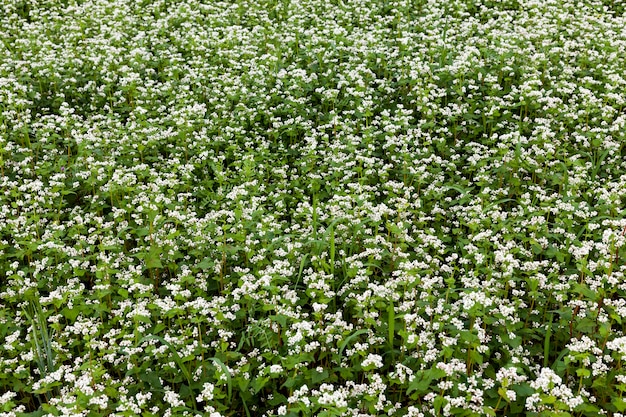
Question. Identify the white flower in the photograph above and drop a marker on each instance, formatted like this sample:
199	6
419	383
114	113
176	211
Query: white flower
618	345
207	392
546	380
372	360
172	398
276	369
6	397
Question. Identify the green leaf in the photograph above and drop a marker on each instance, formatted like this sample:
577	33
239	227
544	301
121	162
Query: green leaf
423	379
185	391
586	325
523	390
243	383
346	373
583	289
548	399
419	385
317	377
47	387
39	413
438	403
144	231
206	263
476	357
159	328
619	403
280	319
502	393
70	314
469	338
588	409
153	258
489	411
259	383
292	361
152	378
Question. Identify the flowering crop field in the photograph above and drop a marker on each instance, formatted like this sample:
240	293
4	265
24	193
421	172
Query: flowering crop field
314	207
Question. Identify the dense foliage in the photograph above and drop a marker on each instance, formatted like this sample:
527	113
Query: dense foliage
314	207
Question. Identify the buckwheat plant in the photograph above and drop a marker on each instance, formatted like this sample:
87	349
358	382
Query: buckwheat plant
297	208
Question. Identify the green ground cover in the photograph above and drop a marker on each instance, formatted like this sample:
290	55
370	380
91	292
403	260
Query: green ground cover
330	208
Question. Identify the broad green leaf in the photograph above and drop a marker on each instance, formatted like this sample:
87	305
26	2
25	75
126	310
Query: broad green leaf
153	258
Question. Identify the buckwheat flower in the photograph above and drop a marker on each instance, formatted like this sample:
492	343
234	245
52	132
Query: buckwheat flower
102	401
372	361
207	393
402	373
300	395
581	251
445	385
83	383
275	369
172	398
531	402
618	345
452	367
317	307
328	395
413	411
6	397
10	340
511	395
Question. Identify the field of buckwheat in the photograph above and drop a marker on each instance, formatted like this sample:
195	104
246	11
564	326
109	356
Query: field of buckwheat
312	208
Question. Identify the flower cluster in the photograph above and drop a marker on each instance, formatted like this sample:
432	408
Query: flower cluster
346	208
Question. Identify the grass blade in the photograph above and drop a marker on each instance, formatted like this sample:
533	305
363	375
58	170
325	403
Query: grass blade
348	339
229	385
546	342
175	354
